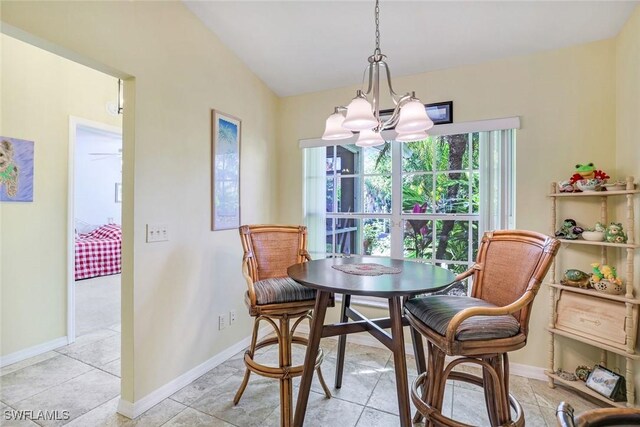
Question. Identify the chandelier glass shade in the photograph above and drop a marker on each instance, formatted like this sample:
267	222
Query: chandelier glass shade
409	117
333	128
369	138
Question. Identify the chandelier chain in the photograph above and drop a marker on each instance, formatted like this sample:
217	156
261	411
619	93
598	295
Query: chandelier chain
377	14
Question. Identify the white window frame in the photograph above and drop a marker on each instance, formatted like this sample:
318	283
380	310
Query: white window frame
499	213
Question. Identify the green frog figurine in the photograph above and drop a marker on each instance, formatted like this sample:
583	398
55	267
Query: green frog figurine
615	234
575	278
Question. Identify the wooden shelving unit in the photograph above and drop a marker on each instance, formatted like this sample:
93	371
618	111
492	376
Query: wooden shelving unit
627	302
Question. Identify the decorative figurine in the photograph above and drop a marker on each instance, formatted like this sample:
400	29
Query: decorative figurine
582	372
615	234
566	187
566	375
575	278
569	230
587	178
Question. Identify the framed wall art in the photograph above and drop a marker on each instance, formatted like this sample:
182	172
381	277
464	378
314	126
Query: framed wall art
440	112
16	170
225	171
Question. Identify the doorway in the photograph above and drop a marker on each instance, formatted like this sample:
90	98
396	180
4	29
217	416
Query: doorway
95	196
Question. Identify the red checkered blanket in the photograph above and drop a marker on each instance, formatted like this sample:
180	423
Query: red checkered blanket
98	252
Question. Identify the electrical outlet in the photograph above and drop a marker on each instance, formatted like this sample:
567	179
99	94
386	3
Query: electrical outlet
157	233
222	322
232	317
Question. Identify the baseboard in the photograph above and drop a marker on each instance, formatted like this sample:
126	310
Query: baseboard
135	409
528	371
517	369
36	350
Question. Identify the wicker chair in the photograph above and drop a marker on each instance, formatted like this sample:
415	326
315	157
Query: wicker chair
483	328
597	417
272	296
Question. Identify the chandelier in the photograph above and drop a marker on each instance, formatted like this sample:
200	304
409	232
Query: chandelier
409	115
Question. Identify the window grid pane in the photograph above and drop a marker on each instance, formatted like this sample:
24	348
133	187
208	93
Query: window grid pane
440	200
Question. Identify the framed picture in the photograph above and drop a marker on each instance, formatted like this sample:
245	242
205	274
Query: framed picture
607	383
439	112
16	170
118	192
225	171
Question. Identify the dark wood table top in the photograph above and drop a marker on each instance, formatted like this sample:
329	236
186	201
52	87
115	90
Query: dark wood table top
415	277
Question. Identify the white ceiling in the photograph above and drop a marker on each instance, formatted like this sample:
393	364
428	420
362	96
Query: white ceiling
305	46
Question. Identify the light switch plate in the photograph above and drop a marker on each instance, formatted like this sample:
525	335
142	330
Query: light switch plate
157	233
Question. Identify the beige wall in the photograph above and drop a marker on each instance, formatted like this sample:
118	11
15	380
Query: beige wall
627	118
40	91
628	97
173	291
566	100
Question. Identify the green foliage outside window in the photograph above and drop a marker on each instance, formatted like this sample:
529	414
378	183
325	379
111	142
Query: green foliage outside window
429	187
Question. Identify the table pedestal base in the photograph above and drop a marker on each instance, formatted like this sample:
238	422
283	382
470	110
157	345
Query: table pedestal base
376	327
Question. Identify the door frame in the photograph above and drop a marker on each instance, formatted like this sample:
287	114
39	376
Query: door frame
74	123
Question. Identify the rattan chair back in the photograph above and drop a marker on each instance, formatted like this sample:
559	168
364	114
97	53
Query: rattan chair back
271	249
510	263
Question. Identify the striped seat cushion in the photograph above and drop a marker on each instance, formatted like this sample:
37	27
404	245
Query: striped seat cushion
437	311
281	289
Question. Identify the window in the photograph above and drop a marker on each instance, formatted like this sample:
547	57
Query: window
429	200
440	200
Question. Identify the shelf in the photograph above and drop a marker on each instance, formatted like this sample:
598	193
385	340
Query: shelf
616	350
595	293
580	386
613	245
595	193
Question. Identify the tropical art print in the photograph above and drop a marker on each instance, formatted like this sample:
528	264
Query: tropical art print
16	170
225	154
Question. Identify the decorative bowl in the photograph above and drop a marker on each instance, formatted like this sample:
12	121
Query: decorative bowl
607	287
589	184
593	236
616	186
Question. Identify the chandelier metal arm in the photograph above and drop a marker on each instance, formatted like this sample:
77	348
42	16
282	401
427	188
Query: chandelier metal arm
373	90
375	98
370	86
394	95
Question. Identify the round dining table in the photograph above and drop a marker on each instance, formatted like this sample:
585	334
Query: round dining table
402	280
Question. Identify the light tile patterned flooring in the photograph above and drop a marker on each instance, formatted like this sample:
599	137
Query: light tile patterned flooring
83	379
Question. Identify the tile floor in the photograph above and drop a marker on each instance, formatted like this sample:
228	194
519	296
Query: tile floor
83	379
97	303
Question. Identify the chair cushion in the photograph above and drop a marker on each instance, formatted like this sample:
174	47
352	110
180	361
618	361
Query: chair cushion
281	289
437	311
